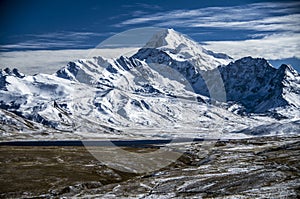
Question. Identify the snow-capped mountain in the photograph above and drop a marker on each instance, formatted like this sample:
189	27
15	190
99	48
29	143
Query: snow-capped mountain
180	48
258	86
172	87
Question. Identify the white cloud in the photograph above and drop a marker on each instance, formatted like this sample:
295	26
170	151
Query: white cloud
276	46
54	40
44	44
278	23
49	61
258	17
66	35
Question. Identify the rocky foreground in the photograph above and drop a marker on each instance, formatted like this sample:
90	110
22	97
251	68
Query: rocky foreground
265	167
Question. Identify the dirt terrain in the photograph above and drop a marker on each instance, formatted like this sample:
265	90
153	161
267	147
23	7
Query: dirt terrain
266	167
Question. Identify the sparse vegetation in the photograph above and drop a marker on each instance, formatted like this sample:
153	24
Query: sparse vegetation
257	167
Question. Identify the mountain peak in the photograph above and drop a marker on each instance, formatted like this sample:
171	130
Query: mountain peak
182	48
170	39
14	72
288	69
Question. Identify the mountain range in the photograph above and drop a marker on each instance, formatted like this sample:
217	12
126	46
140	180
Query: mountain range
172	87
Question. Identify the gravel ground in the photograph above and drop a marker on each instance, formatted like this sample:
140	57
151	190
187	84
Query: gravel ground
266	167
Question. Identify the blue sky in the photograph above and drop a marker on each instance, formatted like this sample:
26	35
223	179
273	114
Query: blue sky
268	29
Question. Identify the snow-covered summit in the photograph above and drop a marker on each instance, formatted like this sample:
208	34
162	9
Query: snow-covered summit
259	86
170	39
290	85
13	72
182	48
4	73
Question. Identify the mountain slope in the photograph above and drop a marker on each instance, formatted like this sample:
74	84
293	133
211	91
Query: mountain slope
172	87
258	86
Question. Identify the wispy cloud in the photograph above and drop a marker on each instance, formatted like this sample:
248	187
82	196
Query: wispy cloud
41	44
66	35
258	17
54	40
277	23
275	46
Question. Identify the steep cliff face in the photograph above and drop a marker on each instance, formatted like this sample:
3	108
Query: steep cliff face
258	86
